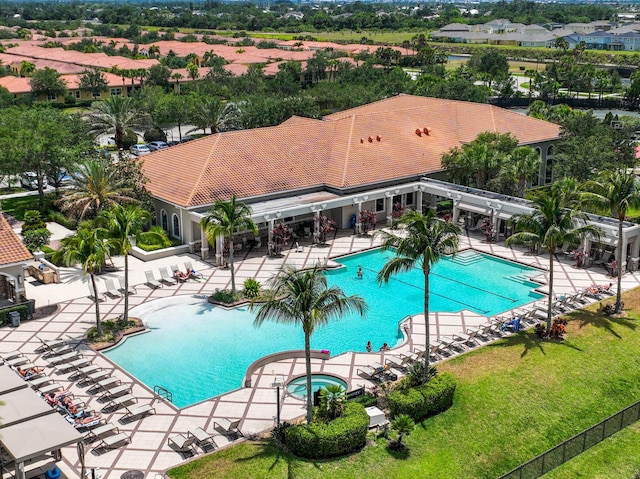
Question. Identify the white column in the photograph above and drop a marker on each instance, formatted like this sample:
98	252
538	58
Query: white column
455	212
271	245
419	201
358	223
220	250
389	210
204	244
316	228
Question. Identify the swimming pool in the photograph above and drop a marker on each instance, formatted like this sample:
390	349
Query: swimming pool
197	350
298	387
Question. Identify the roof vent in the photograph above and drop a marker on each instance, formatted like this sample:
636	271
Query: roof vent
370	139
361	140
418	132
426	130
378	137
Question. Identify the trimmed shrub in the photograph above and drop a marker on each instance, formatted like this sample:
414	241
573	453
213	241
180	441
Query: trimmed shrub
341	436
4	314
33	221
423	401
36	239
251	288
367	400
61	219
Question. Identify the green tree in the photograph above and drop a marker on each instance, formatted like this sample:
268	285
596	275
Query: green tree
124	223
333	398
93	81
521	167
216	115
90	247
224	219
404	425
95	187
552	223
423	241
617	191
303	297
193	71
159	75
115	115
47	82
490	65
26	68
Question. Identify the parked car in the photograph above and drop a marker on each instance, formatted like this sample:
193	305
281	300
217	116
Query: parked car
186	138
64	179
140	150
157	145
173	143
29	180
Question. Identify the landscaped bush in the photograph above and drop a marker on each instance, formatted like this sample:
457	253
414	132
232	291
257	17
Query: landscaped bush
4	314
251	288
341	436
367	400
33	221
154	239
63	220
110	330
225	296
423	401
36	239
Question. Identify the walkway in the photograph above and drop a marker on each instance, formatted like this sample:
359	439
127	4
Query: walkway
256	406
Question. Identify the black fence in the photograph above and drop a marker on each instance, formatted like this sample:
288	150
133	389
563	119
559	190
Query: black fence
545	462
594	102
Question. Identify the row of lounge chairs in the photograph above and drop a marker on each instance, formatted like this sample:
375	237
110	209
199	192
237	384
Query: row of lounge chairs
111	289
186	442
171	276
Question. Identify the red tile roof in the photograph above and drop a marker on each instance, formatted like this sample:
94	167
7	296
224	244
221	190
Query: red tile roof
362	146
11	248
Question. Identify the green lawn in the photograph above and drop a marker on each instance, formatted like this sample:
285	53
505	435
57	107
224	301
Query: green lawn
515	399
16	207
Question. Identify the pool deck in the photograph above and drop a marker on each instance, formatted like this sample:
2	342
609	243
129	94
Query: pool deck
256	406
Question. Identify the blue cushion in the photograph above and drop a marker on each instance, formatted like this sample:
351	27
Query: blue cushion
53	473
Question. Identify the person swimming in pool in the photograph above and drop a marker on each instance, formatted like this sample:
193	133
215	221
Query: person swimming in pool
369	347
360	273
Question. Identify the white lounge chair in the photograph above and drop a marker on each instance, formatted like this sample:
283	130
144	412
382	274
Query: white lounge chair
11	355
122	289
138	411
110	442
95	295
116	391
228	427
101	432
182	276
121	401
182	443
151	281
203	438
189	268
166	277
111	289
50	344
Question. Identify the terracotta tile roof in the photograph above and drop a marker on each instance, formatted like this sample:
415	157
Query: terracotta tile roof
335	151
11	248
21	85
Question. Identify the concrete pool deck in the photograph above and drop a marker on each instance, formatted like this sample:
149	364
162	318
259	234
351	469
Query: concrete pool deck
256	406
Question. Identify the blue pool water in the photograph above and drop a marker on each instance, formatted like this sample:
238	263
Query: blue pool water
197	351
298	386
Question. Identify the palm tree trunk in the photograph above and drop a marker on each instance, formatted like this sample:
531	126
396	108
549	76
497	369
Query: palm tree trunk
233	273
307	363
95	292
550	303
619	259
125	316
426	271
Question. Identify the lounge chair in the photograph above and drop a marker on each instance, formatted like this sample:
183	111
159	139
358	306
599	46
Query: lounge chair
116	391
121	401
50	344
57	351
111	291
110	442
402	362
96	376
43	380
189	268
167	277
95	295
19	361
50	388
101	432
106	383
181	277
87	424
75	364
122	289
182	443
203	439
138	411
151	281
604	260
63	358
228	427
11	355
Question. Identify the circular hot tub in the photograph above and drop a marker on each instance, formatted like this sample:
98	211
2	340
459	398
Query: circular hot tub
298	387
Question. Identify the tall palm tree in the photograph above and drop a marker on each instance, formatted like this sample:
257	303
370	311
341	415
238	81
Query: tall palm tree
303	297
215	115
521	166
90	247
94	188
423	240
224	219
553	221
123	223
115	115
616	191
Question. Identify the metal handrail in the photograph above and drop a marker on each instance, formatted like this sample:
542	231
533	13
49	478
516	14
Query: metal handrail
163	393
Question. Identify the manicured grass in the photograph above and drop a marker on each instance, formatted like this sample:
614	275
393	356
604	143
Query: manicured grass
17	207
515	399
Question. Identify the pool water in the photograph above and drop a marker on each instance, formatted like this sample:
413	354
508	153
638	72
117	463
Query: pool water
298	386
197	350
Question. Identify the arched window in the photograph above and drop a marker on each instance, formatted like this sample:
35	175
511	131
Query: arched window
176	226
164	220
550	151
539	152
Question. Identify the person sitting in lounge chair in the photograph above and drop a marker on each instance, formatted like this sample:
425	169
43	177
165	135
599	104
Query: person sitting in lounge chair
191	274
180	276
27	373
83	421
53	398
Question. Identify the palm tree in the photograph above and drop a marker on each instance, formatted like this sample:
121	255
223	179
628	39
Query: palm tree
303	297
224	219
424	240
553	221
404	425
215	115
617	191
124	223
90	247
522	166
115	115
94	188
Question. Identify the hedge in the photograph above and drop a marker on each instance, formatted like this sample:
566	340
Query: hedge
4	314
341	436
423	401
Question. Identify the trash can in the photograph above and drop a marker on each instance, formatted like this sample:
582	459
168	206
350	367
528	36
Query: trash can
14	317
